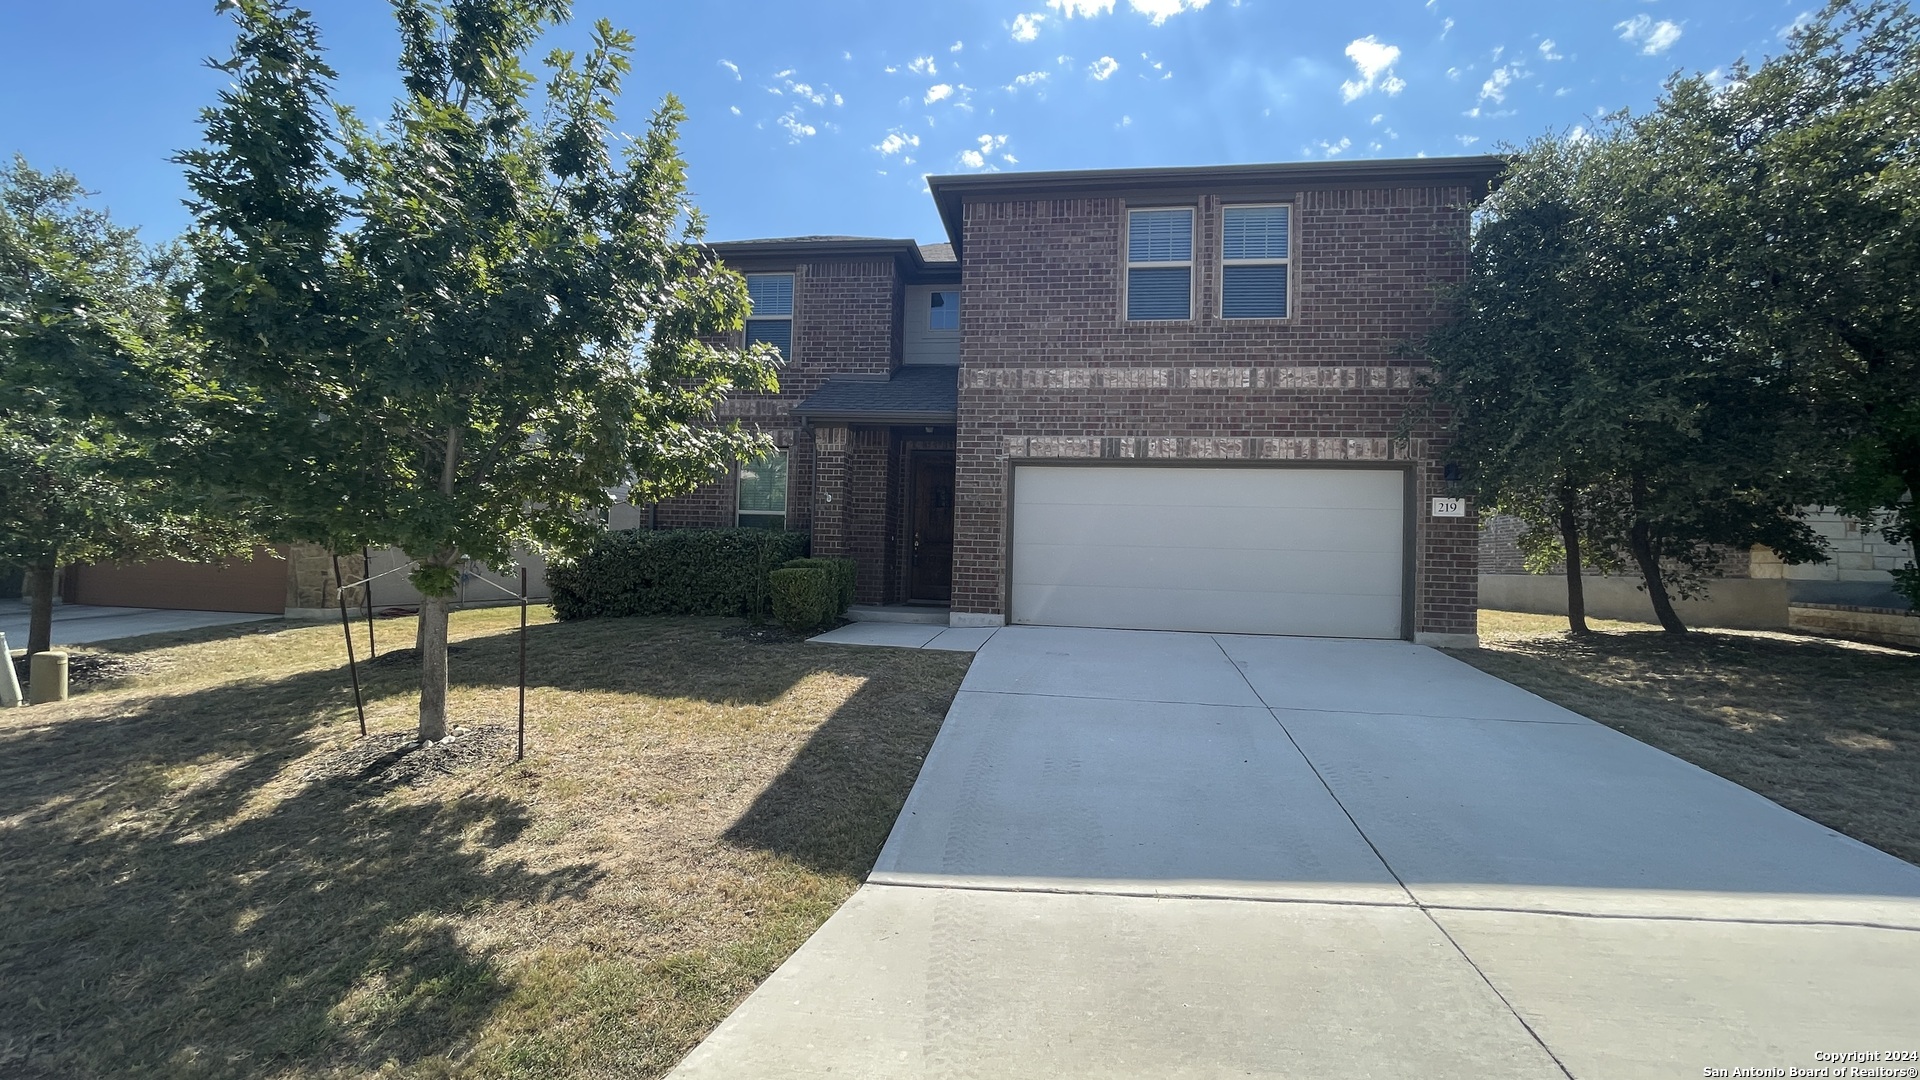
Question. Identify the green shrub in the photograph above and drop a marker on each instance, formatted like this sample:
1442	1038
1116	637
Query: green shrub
843	572
672	572
804	597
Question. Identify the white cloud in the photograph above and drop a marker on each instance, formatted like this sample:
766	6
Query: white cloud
1453	73
796	128
1162	10
1374	61
1027	27
1377	117
803	90
733	67
1546	50
923	65
1467	140
1495	88
735	109
1563	91
1159	11
783	74
1031	78
895	142
937	92
1009	159
1331	149
889	69
1446	27
977	159
1793	27
1653	38
1103	68
956	46
1125	122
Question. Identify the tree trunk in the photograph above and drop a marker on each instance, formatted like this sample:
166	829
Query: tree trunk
1570	540
433	667
433	617
40	578
1907	465
1640	539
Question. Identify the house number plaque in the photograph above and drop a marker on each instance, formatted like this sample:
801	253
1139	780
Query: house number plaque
1450	508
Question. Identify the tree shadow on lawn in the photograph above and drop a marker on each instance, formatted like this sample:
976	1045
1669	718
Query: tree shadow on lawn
165	919
833	806
182	903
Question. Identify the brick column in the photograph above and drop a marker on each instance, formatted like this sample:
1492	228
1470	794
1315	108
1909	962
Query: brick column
832	445
310	591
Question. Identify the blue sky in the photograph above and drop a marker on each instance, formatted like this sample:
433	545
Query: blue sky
823	117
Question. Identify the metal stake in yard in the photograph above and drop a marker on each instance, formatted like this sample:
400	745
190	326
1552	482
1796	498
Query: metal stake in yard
366	571
346	628
520	753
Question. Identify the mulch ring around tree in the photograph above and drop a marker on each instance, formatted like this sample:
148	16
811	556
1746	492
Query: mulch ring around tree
88	669
399	758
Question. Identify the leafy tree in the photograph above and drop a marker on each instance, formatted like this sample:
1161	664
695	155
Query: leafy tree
1797	183
1586	398
94	396
454	332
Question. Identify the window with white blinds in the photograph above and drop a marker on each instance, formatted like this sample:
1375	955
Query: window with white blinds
1159	265
762	492
1254	261
771	317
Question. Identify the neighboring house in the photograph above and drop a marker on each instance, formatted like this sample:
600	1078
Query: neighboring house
1145	398
295	581
1750	590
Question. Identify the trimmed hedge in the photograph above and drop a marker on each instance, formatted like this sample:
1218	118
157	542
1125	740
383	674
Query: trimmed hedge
804	597
672	572
843	572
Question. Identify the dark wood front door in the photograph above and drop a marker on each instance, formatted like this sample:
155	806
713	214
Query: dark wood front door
930	509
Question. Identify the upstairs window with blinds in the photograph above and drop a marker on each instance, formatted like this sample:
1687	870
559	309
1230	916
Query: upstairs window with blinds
771	318
1254	247
1159	265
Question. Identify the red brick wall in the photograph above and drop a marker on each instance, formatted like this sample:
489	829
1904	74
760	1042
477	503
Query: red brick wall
1051	370
844	322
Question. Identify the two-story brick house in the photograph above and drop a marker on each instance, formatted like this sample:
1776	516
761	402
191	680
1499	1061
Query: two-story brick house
1145	398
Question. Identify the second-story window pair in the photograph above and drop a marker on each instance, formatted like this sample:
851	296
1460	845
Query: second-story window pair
1255	256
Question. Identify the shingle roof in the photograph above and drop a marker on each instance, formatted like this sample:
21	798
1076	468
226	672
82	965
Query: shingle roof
937	253
916	394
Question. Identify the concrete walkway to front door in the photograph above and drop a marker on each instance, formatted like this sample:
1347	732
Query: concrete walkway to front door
1190	855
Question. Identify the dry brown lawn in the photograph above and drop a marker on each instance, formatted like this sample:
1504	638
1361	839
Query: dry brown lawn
194	887
1828	728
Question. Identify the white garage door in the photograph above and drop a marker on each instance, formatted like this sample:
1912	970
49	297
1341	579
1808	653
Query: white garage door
1314	552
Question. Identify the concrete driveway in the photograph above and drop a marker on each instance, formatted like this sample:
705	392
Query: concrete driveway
76	624
1189	855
